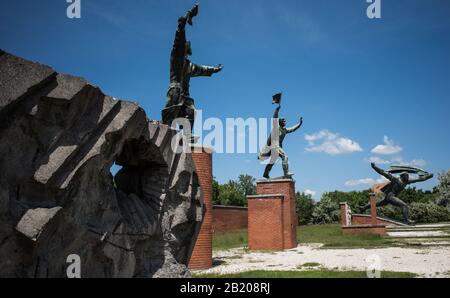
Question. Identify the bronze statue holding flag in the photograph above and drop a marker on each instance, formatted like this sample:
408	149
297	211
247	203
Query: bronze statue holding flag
274	146
179	103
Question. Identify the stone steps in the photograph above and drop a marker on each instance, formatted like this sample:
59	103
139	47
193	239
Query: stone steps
422	235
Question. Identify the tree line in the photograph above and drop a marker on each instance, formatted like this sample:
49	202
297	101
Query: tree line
425	206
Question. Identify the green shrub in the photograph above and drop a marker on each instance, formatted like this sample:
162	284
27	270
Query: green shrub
304	205
428	213
326	211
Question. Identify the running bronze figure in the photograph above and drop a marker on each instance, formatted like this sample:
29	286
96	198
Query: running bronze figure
395	187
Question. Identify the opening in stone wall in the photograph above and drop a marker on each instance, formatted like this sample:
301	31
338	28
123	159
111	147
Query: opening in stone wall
140	181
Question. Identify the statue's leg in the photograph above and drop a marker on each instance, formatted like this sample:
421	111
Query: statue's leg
380	203
173	95
188	113
399	203
171	110
285	163
267	170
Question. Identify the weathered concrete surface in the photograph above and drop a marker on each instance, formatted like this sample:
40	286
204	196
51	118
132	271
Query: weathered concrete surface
59	137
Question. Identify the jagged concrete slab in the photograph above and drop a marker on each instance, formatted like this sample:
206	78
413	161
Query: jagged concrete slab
67	87
56	187
18	77
33	223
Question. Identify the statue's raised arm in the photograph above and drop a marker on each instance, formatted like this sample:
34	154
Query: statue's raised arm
421	178
383	173
204	71
295	127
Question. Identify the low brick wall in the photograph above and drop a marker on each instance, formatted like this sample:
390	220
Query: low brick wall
364	219
227	218
362	224
364	229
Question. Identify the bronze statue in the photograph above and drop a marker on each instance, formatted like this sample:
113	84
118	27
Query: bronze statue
396	186
179	103
274	146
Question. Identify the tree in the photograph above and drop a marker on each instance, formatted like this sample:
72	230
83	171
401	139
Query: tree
230	195
326	211
355	199
215	192
234	193
444	189
304	205
246	185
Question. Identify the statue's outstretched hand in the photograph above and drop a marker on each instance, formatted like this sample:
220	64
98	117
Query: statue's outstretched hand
192	13
218	68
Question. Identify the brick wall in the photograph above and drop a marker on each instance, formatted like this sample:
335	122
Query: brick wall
364	219
201	257
227	218
362	224
265	222
364	229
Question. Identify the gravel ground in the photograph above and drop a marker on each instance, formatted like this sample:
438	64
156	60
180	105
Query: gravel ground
426	262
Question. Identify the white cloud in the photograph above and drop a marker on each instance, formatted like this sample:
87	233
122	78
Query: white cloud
310	192
355	182
412	163
365	181
378	160
331	143
388	148
418	163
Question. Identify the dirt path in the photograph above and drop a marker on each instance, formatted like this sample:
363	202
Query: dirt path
426	262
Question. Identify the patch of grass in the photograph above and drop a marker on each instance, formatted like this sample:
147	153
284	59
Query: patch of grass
308	265
253	261
306	274
233	239
331	236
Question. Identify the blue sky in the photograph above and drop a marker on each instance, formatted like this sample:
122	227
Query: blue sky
355	80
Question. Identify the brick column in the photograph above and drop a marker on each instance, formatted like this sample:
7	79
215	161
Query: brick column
201	257
344	219
373	208
265	222
282	190
285	187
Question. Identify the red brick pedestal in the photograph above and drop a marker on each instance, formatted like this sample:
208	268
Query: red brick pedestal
272	219
362	224
201	257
